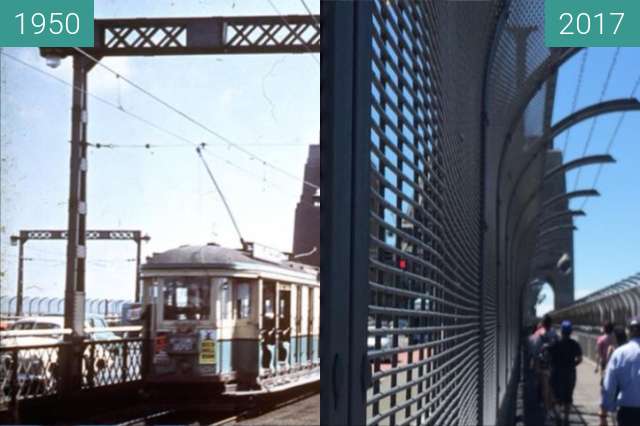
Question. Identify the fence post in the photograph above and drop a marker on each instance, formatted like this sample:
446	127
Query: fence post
14	385
91	374
125	360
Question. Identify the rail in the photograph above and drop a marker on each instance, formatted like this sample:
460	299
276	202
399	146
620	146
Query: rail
29	371
66	331
587	342
616	303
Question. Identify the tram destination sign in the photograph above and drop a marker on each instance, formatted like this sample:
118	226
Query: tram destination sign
262	252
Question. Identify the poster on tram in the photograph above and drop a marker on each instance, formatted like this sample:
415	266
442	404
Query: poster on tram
207	347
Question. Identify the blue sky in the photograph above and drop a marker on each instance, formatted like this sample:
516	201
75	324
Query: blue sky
607	241
267	103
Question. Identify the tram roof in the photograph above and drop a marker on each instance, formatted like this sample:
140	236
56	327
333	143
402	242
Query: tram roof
212	256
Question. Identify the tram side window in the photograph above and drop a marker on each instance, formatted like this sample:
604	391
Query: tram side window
243	300
186	298
225	299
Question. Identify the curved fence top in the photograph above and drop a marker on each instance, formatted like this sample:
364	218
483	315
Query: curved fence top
55	306
630	282
615	303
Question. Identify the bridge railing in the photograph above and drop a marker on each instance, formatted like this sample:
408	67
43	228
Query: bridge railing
615	303
29	371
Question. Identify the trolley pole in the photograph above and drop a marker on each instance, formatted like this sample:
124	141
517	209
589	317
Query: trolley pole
74	309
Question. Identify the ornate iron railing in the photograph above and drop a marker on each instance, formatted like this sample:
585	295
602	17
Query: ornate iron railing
28	372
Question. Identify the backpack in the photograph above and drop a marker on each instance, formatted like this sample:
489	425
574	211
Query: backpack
544	353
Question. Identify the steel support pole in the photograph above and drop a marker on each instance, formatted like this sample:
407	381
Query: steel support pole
71	359
138	251
20	286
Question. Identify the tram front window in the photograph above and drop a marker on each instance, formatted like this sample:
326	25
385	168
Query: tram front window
243	300
186	299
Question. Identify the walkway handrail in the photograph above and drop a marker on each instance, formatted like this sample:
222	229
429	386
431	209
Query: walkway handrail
59	331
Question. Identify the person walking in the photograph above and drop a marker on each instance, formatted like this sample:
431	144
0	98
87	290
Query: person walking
619	339
621	386
603	344
547	338
565	356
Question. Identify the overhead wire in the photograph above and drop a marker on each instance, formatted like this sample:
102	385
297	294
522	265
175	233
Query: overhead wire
274	7
612	140
151	145
99	98
594	121
574	103
310	13
129	113
270	182
191	119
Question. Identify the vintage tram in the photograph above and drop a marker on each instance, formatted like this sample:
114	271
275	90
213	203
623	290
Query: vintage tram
245	320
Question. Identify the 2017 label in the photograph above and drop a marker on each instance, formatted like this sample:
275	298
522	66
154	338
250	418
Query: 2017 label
591	23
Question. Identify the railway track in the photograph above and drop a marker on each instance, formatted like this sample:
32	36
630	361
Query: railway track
216	411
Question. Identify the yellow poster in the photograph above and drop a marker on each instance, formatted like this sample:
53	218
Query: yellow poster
207	352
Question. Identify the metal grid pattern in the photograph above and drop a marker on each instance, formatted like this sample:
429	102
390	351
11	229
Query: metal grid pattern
28	372
111	362
451	101
90	235
227	35
615	303
424	311
55	306
519	84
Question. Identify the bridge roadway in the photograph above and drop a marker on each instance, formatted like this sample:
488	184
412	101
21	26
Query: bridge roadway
304	412
586	401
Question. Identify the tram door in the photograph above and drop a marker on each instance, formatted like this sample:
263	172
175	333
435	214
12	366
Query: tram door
284	327
298	349
268	331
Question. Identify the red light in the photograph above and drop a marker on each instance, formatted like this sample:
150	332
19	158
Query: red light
402	264
161	343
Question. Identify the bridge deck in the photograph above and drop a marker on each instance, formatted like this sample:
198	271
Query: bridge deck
303	412
586	401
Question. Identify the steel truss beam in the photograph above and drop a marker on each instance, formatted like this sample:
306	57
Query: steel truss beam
48	234
195	36
56	234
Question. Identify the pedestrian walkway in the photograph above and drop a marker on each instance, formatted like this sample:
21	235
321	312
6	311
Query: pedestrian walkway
586	400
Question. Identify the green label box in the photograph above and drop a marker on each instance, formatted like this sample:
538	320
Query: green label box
46	23
591	23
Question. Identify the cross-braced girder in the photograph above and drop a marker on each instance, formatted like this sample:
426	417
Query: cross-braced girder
192	36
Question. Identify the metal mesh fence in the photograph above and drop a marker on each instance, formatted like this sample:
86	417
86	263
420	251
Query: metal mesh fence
28	372
435	114
425	264
615	303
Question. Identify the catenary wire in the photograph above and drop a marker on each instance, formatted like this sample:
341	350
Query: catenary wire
574	103
611	141
191	119
274	7
605	86
115	106
310	13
